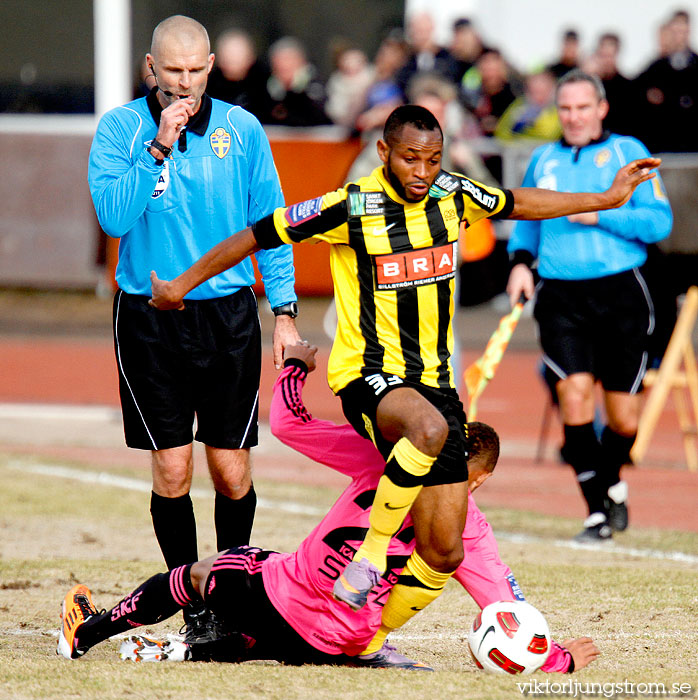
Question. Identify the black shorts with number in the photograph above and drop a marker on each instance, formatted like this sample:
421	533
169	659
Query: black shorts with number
601	326
360	399
235	593
203	362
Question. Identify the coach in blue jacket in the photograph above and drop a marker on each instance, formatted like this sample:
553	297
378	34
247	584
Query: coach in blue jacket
171	175
593	307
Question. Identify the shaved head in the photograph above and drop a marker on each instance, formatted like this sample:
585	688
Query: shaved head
180	58
183	30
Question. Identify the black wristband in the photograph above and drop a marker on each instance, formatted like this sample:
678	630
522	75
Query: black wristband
159	147
522	256
296	362
570	669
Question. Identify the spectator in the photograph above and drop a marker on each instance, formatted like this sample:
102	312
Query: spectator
296	95
665	40
347	86
426	55
533	115
622	115
237	76
668	93
487	90
466	47
382	97
384	93
569	54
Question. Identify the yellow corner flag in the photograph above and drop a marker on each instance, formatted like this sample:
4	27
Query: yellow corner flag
478	374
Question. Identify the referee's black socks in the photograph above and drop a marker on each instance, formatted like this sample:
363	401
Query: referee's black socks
175	528
616	452
233	519
582	451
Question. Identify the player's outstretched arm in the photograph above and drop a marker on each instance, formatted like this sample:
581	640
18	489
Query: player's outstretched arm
339	447
169	294
532	203
583	651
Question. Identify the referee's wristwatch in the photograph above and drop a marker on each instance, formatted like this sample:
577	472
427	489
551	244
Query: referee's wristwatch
165	150
290	309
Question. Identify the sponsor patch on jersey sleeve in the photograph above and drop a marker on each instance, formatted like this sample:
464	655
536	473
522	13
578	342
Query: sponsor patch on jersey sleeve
444	185
366	203
303	211
479	195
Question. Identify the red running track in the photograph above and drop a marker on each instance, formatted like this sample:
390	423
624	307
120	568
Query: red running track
663	492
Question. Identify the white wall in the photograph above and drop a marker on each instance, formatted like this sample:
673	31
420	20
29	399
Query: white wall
528	31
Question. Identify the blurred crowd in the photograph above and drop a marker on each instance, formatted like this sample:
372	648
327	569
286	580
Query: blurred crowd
474	86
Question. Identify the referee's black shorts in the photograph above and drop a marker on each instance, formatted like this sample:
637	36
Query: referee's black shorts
600	326
203	362
360	399
235	594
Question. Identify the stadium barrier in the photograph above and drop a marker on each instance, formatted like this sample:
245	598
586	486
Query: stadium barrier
50	238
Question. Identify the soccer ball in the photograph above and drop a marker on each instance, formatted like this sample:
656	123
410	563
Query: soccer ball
509	637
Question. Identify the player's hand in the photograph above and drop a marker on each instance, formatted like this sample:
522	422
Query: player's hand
629	177
583	651
303	351
164	295
173	119
285	334
588	218
520	283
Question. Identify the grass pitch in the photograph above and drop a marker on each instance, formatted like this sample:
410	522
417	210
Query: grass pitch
637	599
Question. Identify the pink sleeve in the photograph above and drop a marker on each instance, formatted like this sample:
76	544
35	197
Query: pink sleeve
482	573
488	579
558	660
337	446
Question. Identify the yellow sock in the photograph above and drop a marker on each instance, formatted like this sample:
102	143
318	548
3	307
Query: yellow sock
417	586
397	490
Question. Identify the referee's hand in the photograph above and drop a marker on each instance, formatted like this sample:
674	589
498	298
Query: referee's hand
285	335
521	285
164	294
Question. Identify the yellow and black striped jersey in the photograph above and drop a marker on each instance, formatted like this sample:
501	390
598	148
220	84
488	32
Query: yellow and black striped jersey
393	265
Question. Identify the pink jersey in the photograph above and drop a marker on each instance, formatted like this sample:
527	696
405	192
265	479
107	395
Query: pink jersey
299	585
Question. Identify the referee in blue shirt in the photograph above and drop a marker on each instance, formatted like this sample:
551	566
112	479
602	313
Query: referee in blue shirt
171	175
593	306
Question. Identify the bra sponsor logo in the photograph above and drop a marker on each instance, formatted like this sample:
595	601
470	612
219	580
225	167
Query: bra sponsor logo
416	267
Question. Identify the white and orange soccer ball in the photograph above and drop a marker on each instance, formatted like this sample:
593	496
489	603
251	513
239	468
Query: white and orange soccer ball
509	637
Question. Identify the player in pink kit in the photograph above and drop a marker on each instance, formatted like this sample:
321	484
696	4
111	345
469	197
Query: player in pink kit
283	603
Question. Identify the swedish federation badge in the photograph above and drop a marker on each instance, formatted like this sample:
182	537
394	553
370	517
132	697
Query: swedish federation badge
220	142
